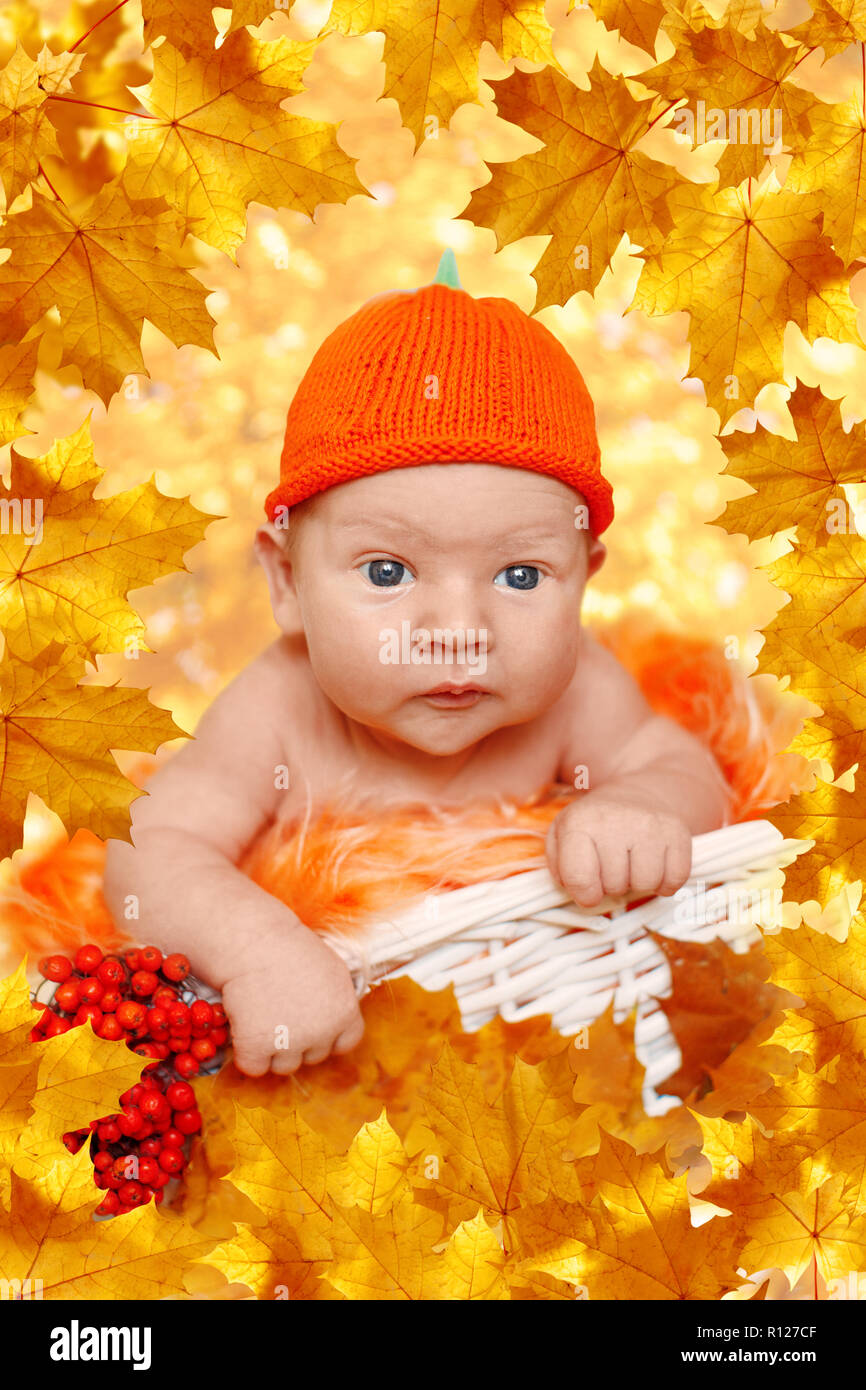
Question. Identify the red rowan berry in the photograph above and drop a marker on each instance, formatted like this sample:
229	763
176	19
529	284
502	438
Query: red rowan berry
186	1065
176	966
57	968
88	1011
180	1095
109	1028
109	1204
66	995
188	1121
91	990
111	972
131	1014
171	1160
143	983
150	958
201	1014
133	1194
87	958
56	1025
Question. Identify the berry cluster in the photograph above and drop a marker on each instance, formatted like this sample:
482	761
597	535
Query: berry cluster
137	996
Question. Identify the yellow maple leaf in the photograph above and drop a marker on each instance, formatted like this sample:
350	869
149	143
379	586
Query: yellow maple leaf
106	265
637	21
634	1239
190	23
472	1266
97	96
794	484
829	976
836	821
497	1155
833	25
373	1168
17	370
217	139
785	1209
827	586
742	262
431	49
744	81
586	188
827	672
386	1256
746	16
834	165
825	1112
68	579
17	1017
26	133
56	741
283	1167
80	1077
49	1234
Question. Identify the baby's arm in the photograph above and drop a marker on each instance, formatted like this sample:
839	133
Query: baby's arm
652	786
204	806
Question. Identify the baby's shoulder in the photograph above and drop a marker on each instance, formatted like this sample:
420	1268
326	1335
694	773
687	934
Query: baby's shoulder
280	677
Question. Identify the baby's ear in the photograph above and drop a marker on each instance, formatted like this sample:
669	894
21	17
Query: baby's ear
270	547
595	553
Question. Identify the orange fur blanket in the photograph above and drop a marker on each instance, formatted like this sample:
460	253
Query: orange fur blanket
351	863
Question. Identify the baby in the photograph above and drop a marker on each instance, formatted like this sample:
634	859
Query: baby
440	505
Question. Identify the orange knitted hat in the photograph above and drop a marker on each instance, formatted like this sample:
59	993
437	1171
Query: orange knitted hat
434	375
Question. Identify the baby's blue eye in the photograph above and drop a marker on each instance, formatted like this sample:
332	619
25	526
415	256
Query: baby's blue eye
518	576
386	574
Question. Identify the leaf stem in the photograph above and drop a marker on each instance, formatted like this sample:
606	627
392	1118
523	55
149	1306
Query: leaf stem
96	25
50	184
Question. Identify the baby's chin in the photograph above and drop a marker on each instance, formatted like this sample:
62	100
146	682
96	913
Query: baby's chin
440	733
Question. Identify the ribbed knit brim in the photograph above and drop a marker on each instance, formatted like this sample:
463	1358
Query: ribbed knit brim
435	375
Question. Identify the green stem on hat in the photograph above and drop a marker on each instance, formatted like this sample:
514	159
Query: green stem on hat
447	271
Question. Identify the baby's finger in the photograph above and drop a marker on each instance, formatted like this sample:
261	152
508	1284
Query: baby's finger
251	1060
614	859
578	868
350	1037
678	864
284	1063
646	866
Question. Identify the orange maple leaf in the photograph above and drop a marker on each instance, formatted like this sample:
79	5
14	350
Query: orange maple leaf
634	1240
106	267
718	998
834	165
795	484
588	187
431	56
743	262
216	139
741	78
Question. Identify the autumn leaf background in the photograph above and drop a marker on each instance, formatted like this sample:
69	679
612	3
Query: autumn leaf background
194	197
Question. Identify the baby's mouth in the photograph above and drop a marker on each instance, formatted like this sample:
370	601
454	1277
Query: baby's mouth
450	696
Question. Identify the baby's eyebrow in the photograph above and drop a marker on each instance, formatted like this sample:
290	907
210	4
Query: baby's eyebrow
515	536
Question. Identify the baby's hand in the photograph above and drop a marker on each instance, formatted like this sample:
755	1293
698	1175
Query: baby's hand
607	843
301	994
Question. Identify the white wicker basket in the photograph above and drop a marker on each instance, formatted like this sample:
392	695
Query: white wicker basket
519	946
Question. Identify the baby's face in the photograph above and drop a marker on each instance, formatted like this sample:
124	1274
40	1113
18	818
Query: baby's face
461	575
